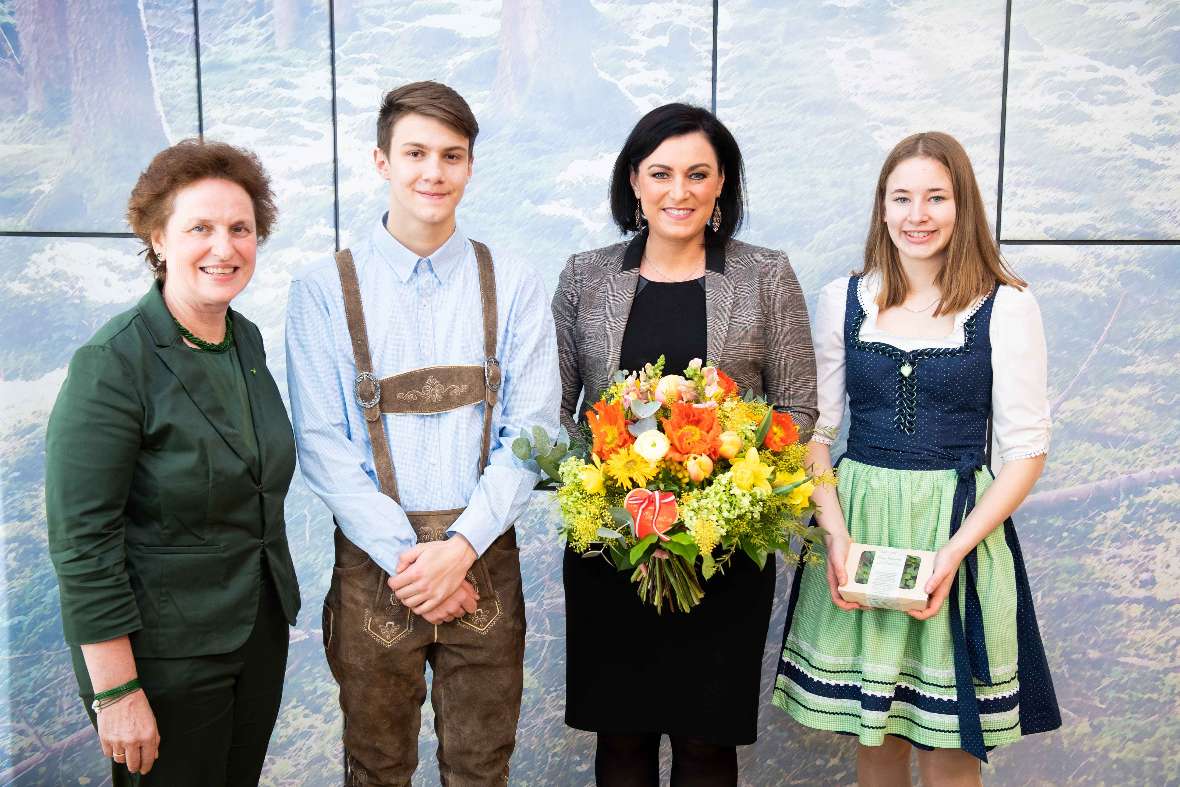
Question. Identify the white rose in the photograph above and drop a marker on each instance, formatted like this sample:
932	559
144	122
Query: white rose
651	445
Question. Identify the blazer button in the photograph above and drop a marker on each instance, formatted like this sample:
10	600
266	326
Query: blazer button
258	487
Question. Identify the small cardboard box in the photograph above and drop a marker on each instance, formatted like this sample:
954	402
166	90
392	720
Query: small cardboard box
887	577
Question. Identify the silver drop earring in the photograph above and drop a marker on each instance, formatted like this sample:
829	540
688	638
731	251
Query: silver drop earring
638	216
715	221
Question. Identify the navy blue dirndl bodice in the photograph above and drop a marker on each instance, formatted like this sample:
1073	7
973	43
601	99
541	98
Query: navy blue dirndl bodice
923	409
928	409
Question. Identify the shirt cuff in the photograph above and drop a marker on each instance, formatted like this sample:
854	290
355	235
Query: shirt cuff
477	525
1022	453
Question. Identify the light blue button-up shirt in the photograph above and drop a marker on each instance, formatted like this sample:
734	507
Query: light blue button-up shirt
419	312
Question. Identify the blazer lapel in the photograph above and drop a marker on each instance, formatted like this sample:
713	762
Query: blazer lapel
253	362
186	367
617	296
719	291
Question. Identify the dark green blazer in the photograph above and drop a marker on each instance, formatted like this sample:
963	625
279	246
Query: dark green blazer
161	521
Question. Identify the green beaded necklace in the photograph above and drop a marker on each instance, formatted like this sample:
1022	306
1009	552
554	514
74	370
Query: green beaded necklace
205	346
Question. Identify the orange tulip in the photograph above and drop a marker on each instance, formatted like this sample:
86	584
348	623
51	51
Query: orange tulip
699	467
729	444
608	424
691	430
782	432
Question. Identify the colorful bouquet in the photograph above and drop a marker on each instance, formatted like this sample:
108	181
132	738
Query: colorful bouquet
680	471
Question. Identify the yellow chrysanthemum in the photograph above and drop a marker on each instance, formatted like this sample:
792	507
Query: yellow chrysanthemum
629	469
749	473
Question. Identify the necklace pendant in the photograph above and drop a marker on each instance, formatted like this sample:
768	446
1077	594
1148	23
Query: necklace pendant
906	369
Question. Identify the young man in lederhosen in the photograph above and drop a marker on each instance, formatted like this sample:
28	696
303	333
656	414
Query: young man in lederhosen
413	362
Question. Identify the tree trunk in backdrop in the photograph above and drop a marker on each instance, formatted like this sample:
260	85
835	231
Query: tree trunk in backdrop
106	90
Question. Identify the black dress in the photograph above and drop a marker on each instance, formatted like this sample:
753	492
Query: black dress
630	670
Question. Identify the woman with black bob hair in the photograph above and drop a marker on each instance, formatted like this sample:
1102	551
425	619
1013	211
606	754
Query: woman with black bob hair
681	287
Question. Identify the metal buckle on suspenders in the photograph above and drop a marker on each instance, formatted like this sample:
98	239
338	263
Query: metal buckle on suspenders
492	375
371	379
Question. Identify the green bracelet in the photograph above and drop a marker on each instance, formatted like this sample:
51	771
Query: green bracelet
104	699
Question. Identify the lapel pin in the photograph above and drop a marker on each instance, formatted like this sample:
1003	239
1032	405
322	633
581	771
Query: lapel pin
253	371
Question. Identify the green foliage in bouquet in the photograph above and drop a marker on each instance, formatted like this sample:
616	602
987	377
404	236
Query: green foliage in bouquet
681	474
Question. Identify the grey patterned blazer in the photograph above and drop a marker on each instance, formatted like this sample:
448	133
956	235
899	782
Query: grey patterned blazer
758	331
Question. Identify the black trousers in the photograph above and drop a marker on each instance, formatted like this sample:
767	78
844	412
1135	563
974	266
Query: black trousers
215	714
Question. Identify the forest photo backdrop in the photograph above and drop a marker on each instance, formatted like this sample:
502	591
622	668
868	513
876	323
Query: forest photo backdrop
1070	111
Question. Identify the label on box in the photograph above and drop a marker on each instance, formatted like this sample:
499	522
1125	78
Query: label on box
885	577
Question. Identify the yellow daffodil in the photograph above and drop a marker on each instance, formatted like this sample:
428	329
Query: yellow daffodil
749	473
800	495
652	445
591	477
629	469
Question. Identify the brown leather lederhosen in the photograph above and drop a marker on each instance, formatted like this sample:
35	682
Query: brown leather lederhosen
377	648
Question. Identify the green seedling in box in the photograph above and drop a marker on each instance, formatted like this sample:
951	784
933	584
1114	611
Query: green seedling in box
864	567
909	574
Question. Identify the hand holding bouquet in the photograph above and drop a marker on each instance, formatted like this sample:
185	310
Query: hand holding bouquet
681	471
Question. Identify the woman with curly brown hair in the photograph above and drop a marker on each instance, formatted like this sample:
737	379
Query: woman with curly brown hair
168	457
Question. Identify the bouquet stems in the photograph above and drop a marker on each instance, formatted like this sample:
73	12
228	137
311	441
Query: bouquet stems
665	578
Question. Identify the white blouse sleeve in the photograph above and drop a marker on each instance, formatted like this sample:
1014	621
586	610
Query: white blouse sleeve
1020	398
828	338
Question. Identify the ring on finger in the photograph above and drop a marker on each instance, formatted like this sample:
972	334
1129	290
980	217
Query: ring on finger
118	755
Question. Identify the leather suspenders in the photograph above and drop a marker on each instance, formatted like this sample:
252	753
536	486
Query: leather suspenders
434	389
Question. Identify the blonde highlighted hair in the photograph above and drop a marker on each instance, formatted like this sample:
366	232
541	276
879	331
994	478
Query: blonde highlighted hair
973	264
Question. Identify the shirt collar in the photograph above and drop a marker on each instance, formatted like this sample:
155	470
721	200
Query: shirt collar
402	261
714	254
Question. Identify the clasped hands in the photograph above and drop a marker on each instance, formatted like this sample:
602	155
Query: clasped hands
946	567
431	580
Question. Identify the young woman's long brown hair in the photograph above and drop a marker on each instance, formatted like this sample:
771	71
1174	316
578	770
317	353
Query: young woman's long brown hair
973	262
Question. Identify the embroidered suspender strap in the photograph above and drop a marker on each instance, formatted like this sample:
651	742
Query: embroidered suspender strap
493	375
366	388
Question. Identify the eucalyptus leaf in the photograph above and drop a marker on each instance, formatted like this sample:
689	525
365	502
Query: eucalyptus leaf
639	427
619	376
522	449
645	409
607	533
621	515
548	467
541	439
